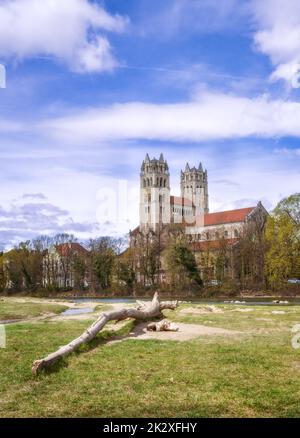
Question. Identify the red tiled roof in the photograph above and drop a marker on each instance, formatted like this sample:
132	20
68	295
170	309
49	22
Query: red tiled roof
226	217
135	232
210	219
180	201
67	249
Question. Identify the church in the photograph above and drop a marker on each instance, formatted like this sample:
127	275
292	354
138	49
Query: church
161	211
158	207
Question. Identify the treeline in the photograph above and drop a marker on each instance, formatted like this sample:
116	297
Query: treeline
265	257
60	263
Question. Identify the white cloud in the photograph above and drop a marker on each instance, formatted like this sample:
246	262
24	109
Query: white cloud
287	152
183	17
34	196
69	30
278	35
23	221
240	174
212	116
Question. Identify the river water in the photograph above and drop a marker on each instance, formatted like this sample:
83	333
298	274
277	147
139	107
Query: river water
242	301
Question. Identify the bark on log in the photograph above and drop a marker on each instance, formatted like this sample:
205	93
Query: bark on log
143	311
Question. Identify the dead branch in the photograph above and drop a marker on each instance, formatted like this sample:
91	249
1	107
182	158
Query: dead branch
162	326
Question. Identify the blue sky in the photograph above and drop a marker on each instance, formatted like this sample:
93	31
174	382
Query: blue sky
94	85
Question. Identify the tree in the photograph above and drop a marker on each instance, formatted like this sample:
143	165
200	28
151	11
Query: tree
146	252
221	261
3	275
63	264
24	266
103	256
43	245
125	269
283	242
289	206
13	267
248	254
181	263
79	267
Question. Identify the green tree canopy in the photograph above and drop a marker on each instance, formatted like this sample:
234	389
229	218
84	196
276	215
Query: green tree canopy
181	264
283	242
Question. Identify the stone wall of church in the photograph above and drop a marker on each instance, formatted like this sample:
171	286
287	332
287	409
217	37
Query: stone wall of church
216	232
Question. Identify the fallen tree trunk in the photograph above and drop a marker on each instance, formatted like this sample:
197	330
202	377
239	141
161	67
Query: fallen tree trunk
143	311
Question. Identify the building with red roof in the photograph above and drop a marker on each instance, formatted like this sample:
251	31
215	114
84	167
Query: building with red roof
159	210
62	264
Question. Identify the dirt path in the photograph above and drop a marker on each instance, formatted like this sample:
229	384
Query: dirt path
185	332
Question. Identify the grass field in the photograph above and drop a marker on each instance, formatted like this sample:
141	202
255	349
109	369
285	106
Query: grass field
9	309
255	373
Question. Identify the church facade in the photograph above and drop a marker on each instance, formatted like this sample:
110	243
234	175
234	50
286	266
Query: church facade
206	232
159	208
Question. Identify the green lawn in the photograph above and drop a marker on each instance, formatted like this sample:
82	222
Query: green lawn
12	310
234	317
253	374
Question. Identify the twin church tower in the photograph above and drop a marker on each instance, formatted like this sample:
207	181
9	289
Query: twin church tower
158	207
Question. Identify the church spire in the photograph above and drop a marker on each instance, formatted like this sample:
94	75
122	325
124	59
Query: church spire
187	167
161	158
200	167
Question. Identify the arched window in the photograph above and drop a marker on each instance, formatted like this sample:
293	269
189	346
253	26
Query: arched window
165	182
160	182
226	233
207	235
236	233
151	181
